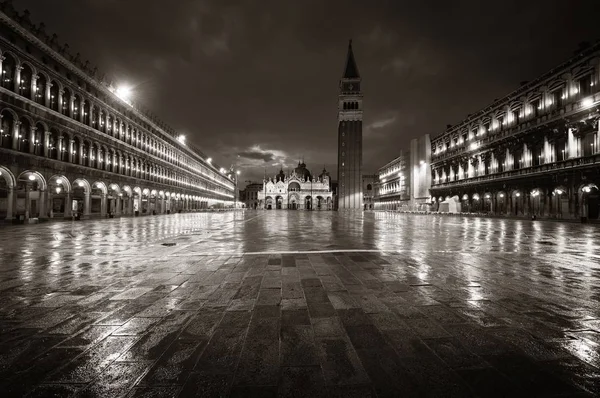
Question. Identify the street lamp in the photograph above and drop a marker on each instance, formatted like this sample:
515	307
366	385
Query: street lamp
124	93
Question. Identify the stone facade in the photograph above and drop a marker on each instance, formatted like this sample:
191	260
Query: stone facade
404	183
531	153
297	191
368	184
69	144
249	195
392	185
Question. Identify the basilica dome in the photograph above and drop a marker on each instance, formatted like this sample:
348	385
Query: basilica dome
302	172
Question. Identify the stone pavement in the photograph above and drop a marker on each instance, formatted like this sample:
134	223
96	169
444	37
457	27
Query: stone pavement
300	304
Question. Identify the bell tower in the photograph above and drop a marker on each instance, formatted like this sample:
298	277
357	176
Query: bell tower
350	115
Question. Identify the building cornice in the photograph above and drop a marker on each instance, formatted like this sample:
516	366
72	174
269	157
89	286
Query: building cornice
581	57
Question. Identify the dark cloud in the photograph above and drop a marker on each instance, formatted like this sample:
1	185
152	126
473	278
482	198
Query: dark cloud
265	157
239	74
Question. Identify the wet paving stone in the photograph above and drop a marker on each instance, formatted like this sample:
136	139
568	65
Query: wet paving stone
429	306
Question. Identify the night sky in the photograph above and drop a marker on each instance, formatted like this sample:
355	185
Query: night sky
255	82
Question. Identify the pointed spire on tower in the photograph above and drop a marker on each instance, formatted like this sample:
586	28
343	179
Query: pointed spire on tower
351	70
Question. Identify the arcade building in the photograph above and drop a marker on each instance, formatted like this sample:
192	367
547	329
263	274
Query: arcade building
298	190
71	143
533	152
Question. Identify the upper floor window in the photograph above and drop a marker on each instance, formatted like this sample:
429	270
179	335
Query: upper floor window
586	85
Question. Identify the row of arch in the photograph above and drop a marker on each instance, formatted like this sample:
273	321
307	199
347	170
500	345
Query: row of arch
295	202
30	194
353	105
576	85
23	134
25	79
553	202
535	153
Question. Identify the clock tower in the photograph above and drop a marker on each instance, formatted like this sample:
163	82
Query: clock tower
350	114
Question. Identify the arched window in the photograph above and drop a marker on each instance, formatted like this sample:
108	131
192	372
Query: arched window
85	153
54	145
66	102
75	150
77	107
6	130
24	135
369	187
9	67
40	90
86	112
25	83
54	96
39	139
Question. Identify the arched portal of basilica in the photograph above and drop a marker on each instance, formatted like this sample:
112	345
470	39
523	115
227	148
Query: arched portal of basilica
298	190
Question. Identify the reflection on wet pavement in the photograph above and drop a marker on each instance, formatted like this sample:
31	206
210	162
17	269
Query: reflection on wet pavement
286	303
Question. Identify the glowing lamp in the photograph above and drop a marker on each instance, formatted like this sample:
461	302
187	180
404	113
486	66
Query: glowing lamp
587	102
123	92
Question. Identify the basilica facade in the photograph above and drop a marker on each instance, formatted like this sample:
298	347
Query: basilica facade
298	190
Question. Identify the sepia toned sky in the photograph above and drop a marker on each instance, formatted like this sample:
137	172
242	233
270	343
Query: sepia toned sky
255	83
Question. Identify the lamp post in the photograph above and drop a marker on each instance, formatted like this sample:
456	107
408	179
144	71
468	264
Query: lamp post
311	194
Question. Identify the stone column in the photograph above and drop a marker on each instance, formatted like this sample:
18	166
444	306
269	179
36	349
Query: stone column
59	101
47	94
70	146
71	105
32	139
82	111
86	204
91	156
46	138
81	153
43	200
15	135
10	198
91	120
118	205
27	201
68	211
17	80
33	87
103	205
